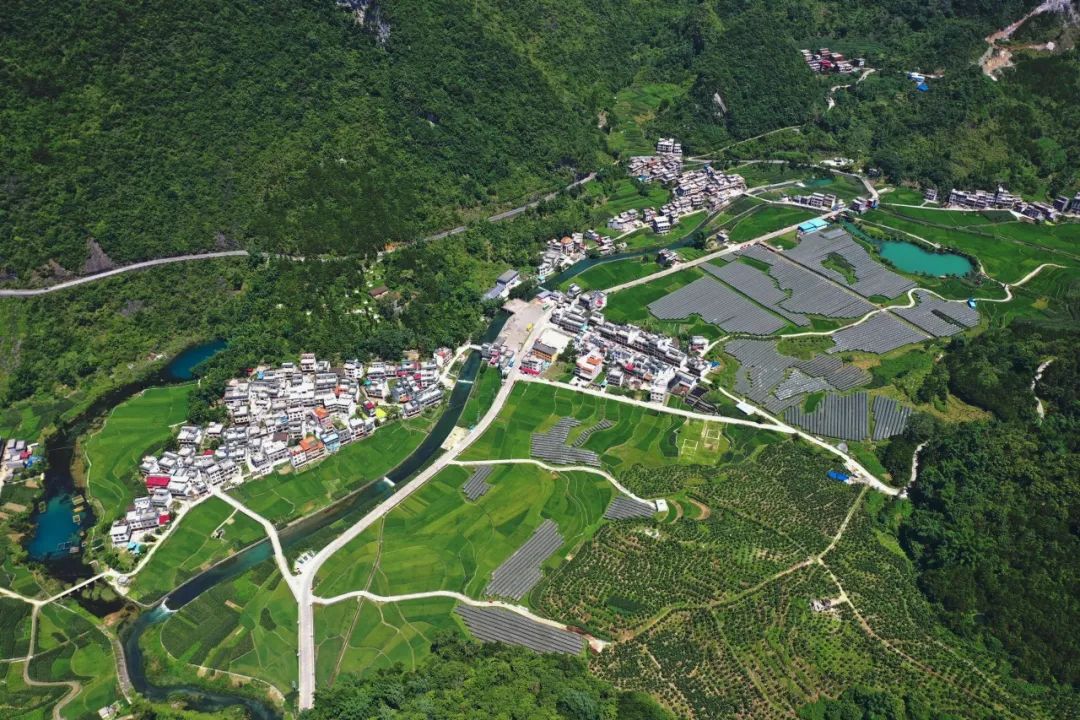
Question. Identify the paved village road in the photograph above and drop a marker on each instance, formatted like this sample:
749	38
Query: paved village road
307	576
594	642
117	271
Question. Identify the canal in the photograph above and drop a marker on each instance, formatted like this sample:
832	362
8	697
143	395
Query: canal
355	505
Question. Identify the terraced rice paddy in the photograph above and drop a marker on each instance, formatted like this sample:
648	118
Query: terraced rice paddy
500	625
871	277
521	571
879	334
719	305
627	508
890	417
939	317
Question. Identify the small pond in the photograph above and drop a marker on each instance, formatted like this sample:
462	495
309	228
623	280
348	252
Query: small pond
57	530
912	258
182	367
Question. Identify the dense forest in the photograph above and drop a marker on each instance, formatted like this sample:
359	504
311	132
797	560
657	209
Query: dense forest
463	679
154	128
995	529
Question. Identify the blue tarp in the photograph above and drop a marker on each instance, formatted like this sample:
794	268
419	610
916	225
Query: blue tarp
834	475
922	87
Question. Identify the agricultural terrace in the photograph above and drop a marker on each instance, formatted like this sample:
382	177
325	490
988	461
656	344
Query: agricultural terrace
358	637
211	531
1045	298
738	524
436	540
765	653
634	107
612	273
71	648
623	195
286	495
244	628
14	628
112	454
27	702
1008	250
637	435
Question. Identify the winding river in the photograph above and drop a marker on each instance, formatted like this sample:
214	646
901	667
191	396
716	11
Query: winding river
360	502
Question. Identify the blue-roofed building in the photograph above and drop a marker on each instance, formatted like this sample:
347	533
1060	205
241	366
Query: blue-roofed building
812	225
922	87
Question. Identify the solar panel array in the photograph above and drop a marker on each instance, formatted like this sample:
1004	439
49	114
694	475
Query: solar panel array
757	286
938	317
502	625
551	446
879	334
871	277
477	485
846	417
587	433
763	375
716	304
625	508
521	571
810	293
890	417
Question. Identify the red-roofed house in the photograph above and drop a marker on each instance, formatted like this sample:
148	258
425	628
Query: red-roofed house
163	519
157	481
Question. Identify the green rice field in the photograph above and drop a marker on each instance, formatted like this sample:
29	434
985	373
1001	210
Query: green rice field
281	497
360	637
437	540
191	548
112	455
70	647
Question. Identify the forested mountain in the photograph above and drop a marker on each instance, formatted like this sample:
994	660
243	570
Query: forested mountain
995	529
154	128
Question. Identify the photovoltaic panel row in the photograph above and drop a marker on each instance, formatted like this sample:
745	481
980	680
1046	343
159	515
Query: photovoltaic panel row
871	277
890	417
810	293
879	334
940	318
756	285
501	625
846	417
716	304
551	446
625	508
476	484
520	572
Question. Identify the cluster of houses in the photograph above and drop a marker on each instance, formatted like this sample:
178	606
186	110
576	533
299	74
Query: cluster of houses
861	205
565	251
1002	199
819	201
292	415
616	355
17	455
827	61
665	166
697	189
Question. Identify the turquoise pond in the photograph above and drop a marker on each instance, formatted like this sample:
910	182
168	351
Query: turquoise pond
56	529
912	258
183	365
